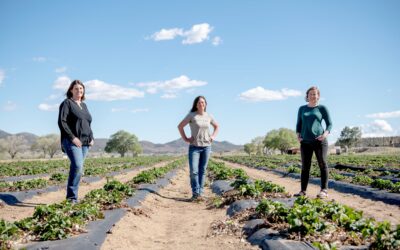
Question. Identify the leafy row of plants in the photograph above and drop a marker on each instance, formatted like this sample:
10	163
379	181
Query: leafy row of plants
58	177
55	179
94	166
327	224
367	178
391	162
243	187
151	175
58	221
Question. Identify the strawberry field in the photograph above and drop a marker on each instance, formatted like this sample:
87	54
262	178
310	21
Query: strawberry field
255	193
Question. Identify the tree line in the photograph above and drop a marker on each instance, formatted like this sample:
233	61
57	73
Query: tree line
285	139
121	142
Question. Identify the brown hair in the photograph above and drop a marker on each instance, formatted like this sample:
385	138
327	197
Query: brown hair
71	86
312	88
196	100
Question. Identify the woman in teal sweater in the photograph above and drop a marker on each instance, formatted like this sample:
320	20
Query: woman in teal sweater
312	138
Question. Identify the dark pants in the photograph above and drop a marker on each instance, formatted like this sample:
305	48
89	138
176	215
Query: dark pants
321	150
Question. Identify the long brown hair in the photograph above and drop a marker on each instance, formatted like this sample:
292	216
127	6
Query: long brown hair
71	86
196	100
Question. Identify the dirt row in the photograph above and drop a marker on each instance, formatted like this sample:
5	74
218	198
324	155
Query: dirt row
371	208
168	220
26	208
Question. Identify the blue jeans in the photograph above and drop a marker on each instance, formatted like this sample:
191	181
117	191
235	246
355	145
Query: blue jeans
77	157
198	160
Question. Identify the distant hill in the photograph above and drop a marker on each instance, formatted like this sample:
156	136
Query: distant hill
3	134
29	137
173	147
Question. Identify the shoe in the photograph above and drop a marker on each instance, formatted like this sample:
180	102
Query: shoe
201	198
323	194
301	193
194	197
73	202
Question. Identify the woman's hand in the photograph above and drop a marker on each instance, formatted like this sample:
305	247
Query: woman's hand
299	137
77	142
323	136
189	140
91	143
212	138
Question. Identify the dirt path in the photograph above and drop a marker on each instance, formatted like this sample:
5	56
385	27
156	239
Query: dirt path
20	211
170	221
371	208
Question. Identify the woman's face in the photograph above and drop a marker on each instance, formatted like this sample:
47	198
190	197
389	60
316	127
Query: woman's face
313	96
201	104
77	92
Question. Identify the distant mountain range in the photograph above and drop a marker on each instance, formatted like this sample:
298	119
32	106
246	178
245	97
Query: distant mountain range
173	147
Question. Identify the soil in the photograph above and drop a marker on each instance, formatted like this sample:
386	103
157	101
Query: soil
168	220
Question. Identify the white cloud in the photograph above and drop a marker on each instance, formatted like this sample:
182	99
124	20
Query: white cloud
61	70
98	90
171	87
48	107
197	34
377	128
115	110
2	76
39	59
10	106
138	110
384	115
260	94
102	91
169	96
62	83
181	82
216	41
167	34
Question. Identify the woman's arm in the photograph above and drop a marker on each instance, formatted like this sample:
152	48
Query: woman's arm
181	125
299	125
216	130
328	122
63	124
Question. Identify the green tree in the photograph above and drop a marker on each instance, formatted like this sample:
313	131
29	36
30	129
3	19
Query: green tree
281	139
123	142
256	146
48	144
258	143
349	137
249	148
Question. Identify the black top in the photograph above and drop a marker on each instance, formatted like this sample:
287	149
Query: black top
75	121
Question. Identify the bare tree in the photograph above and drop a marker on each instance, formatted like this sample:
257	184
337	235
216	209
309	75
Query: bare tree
48	144
13	145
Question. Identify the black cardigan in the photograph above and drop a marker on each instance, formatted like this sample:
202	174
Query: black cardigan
74	121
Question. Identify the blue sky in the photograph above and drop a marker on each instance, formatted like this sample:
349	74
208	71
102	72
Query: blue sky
143	63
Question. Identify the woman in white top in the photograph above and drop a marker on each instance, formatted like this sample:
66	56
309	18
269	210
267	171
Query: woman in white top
200	143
